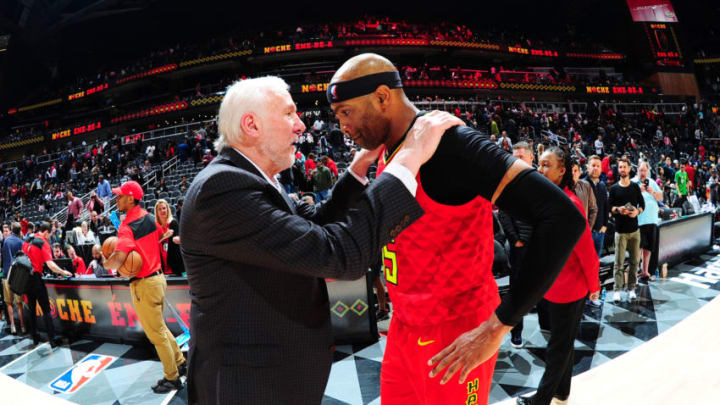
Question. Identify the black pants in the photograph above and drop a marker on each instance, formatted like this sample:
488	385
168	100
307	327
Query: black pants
516	257
38	293
565	322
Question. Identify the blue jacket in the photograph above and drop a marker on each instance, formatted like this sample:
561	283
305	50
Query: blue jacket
11	245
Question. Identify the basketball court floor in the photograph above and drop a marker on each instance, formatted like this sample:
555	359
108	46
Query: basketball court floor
121	374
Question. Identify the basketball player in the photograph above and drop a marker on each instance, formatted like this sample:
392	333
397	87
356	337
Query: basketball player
447	310
139	232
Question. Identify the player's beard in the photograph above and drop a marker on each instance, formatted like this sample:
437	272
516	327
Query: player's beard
374	132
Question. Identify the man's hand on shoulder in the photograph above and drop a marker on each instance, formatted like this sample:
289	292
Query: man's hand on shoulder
423	139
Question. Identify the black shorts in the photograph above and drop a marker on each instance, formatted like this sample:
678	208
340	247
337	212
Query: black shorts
648	233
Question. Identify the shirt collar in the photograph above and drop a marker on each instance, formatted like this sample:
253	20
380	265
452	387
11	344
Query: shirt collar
273	181
135	213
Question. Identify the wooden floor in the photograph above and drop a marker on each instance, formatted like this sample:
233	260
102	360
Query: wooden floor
679	367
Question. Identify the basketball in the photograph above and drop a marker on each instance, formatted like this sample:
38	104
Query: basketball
108	246
132	265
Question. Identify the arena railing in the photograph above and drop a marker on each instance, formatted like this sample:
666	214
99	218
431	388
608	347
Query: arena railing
151	178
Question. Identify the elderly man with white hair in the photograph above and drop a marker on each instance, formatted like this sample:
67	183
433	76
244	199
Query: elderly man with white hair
256	260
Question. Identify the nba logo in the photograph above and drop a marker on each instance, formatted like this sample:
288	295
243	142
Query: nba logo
80	373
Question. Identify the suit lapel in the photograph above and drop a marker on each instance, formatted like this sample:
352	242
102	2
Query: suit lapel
242	162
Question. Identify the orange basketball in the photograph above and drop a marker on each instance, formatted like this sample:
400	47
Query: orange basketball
108	246
132	265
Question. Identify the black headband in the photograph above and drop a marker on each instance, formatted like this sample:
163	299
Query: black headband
341	91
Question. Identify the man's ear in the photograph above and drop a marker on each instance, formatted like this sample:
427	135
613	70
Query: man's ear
250	125
382	97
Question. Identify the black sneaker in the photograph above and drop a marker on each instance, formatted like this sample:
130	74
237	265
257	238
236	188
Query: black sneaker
382	315
182	369
517	342
36	340
164	386
57	342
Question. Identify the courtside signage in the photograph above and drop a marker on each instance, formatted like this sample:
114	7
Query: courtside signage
81	373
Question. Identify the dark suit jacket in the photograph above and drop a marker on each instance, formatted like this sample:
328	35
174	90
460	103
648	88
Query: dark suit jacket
256	263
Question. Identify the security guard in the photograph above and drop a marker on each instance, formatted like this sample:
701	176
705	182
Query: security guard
140	233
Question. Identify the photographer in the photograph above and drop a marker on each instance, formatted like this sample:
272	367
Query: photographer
649	219
626	203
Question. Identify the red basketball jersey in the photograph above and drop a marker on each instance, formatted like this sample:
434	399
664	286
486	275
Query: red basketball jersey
440	267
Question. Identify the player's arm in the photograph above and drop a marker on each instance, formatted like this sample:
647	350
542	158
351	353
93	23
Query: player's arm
523	193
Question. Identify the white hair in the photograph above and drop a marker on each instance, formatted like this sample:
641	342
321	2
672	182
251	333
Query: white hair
242	97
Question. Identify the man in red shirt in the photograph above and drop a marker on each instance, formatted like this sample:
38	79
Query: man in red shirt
140	233
78	262
38	251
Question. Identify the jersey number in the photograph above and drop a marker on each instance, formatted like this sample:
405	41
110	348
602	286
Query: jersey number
390	262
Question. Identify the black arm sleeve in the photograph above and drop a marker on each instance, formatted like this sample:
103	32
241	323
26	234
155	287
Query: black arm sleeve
465	165
508	227
557	226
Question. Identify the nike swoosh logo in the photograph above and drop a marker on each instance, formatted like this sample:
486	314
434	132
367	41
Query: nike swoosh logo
421	343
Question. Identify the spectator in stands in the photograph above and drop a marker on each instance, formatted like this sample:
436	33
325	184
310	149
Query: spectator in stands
649	218
626	203
11	245
714	183
85	236
322	181
74	209
95	205
310	164
503	140
77	261
95	222
30	232
584	192
330	164
107	226
599	146
161	187
170	241
183	186
682	184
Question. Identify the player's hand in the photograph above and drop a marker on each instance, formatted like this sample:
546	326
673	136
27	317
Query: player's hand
519	244
424	137
67	273
469	350
603	229
595	296
633	213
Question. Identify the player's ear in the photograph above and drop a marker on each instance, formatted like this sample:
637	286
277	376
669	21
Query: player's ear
382	97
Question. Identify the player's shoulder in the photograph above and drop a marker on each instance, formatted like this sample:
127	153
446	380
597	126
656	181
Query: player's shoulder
455	140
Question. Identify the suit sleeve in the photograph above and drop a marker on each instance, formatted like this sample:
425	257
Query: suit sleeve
240	223
345	194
